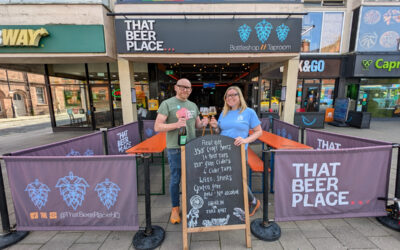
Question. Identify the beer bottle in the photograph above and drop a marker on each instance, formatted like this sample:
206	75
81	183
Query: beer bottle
182	136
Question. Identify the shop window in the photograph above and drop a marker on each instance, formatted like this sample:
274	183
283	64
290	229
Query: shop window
40	95
327	94
17	97
381	100
322	32
378	29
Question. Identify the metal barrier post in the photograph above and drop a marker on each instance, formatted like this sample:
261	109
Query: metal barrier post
105	142
9	236
302	135
152	236
392	220
263	228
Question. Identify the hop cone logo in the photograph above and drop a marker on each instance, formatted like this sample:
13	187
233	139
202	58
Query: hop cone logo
263	30
88	152
107	192
72	189
282	32
73	153
38	192
244	32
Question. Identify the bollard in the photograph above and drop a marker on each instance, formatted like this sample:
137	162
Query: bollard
152	236
392	220
264	229
302	135
9	236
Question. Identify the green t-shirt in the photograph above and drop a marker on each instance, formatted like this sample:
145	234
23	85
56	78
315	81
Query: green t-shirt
169	108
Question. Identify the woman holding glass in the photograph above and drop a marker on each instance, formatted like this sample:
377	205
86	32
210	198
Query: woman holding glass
235	121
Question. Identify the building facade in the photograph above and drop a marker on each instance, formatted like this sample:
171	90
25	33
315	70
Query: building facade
102	62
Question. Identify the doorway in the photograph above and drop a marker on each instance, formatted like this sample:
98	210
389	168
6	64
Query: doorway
101	106
19	105
310	98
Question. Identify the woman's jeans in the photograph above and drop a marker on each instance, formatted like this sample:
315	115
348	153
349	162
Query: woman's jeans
174	160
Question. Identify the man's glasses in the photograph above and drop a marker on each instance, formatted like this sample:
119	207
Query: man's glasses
184	87
232	95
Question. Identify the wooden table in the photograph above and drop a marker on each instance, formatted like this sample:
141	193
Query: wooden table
279	142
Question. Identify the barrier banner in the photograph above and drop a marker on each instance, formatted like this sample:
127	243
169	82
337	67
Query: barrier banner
323	184
74	193
326	140
286	130
148	129
86	145
122	138
266	123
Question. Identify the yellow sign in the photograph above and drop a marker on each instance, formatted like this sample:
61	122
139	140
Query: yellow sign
153	104
22	37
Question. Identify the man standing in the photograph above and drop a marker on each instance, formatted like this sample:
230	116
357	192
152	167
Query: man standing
174	113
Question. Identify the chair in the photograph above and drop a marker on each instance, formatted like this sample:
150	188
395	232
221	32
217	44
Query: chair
72	119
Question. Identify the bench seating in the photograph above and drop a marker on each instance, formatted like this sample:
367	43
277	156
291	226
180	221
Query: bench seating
255	165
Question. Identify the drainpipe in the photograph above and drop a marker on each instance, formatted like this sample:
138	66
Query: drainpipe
9	90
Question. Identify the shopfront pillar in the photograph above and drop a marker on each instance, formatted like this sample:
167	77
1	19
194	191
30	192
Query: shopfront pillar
126	79
289	80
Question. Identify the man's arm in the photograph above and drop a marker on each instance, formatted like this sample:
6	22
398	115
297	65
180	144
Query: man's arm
161	126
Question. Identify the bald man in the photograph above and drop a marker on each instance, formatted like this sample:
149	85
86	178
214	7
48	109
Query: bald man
174	113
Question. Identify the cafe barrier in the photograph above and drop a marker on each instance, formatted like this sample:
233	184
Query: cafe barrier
73	193
286	130
325	140
321	184
148	128
87	145
121	138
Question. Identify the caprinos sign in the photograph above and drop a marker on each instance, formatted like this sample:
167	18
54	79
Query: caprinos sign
377	65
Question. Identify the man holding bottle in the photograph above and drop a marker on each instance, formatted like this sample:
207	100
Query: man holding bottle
175	113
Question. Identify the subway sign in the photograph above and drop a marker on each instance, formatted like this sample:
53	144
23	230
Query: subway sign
377	65
22	37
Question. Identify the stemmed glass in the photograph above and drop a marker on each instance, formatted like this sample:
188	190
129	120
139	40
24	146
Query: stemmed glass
212	111
204	112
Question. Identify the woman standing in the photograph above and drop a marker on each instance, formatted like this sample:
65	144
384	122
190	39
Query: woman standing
235	121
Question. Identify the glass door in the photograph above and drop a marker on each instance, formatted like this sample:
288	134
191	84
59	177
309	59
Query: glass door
101	106
311	96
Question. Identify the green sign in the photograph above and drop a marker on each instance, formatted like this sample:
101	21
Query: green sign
169	72
52	39
116	93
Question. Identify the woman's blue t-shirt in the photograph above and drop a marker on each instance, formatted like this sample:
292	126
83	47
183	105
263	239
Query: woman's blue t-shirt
235	124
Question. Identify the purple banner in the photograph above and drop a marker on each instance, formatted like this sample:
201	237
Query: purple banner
122	138
148	129
286	130
74	193
266	123
86	145
325	140
322	184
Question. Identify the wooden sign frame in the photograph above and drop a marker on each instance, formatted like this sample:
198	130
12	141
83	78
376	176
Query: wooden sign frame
186	230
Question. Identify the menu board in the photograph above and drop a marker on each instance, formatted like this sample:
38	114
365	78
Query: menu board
214	186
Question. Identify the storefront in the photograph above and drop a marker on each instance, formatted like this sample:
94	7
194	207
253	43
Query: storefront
212	53
76	56
375	84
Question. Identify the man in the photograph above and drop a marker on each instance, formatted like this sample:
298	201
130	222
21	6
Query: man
174	113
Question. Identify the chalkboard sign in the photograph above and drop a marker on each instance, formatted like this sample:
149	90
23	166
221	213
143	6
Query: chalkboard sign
213	188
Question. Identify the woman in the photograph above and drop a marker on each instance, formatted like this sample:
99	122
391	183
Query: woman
235	121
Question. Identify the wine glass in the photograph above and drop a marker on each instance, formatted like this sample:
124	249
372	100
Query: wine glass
212	111
204	111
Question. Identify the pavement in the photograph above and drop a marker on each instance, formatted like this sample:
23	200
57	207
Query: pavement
349	233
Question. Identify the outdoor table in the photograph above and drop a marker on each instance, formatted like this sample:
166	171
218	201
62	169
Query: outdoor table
155	144
152	236
263	228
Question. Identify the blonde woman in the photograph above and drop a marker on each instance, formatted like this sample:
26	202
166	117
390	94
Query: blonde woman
235	121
